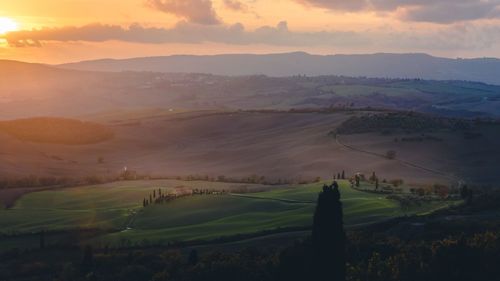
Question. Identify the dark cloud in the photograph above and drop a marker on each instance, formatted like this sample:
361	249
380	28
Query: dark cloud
449	12
195	11
342	5
442	11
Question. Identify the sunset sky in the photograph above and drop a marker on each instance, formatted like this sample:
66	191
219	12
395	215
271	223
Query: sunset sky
55	31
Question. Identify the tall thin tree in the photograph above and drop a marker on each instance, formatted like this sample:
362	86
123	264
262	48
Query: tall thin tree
42	239
328	236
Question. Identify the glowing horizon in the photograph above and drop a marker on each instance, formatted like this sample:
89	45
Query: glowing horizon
7	25
58	31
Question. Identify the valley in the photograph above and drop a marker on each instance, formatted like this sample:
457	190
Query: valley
116	210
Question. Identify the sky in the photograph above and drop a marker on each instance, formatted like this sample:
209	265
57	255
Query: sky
58	31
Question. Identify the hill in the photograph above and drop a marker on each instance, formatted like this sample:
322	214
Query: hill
277	145
390	122
29	90
117	207
421	66
56	130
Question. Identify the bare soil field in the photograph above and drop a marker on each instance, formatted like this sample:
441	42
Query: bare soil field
450	154
239	144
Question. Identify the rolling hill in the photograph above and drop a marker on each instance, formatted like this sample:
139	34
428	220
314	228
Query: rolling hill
31	90
276	145
116	208
56	130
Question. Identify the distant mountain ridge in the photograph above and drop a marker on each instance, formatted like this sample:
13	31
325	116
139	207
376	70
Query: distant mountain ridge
381	65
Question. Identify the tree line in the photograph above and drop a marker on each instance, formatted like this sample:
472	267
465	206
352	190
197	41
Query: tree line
130	175
163	197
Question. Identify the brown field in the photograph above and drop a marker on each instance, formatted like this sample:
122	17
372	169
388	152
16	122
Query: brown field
56	130
238	144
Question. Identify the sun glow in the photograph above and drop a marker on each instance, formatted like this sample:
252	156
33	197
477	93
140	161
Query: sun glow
7	25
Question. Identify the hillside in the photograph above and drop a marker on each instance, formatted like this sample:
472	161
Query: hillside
56	130
288	64
277	145
194	217
30	90
387	123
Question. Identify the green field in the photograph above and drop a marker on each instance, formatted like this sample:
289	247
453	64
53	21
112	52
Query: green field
117	207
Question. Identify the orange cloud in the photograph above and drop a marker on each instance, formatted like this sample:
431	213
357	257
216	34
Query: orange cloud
195	11
235	5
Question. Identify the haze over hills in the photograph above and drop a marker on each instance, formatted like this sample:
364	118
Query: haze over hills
28	90
382	65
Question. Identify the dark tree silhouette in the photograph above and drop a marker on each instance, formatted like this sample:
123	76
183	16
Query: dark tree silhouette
358	179
328	236
464	191
343	174
42	239
466	194
88	259
193	257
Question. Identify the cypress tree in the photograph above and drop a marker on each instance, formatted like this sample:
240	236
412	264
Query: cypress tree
328	236
88	259
193	257
42	239
464	191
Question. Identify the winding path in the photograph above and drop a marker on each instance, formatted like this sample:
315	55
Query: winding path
130	220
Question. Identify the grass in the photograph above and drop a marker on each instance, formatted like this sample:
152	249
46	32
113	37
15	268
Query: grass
105	206
118	205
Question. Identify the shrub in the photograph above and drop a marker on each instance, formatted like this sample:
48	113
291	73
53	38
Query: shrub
391	154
